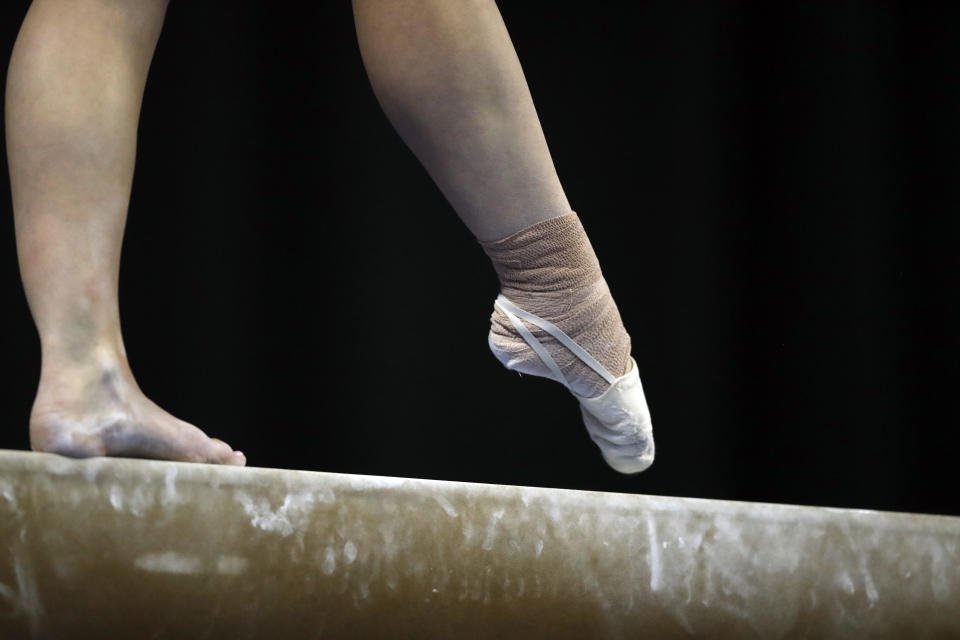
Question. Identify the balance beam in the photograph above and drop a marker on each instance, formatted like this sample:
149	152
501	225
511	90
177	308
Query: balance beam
120	548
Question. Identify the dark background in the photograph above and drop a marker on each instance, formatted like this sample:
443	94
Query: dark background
771	189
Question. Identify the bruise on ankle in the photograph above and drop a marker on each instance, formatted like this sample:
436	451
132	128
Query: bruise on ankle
110	382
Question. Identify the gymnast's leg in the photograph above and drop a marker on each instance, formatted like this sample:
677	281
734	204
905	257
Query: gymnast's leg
448	78
73	98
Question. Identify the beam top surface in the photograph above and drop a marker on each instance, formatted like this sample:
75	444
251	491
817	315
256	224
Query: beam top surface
253	552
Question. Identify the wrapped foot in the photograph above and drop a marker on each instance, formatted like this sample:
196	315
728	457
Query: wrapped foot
618	419
555	318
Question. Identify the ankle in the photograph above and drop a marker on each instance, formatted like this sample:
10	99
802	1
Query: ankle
551	257
101	359
551	271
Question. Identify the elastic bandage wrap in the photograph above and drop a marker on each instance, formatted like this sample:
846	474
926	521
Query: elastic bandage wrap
550	270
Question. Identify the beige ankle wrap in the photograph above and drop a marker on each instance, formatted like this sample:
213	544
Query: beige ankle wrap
550	269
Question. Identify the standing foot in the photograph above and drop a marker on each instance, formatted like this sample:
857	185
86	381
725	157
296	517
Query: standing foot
98	410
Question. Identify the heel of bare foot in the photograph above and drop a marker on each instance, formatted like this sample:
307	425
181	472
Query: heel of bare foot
98	410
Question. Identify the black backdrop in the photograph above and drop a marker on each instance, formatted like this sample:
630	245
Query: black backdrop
772	191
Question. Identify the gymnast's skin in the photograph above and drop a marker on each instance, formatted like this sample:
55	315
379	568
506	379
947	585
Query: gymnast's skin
445	73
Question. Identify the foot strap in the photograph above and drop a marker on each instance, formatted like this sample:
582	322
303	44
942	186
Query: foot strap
515	314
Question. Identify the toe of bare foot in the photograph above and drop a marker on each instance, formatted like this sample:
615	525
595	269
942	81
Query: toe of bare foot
160	435
226	455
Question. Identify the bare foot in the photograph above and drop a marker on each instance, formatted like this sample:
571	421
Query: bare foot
98	410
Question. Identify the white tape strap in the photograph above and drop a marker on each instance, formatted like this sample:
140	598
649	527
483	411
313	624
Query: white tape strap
533	342
513	312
